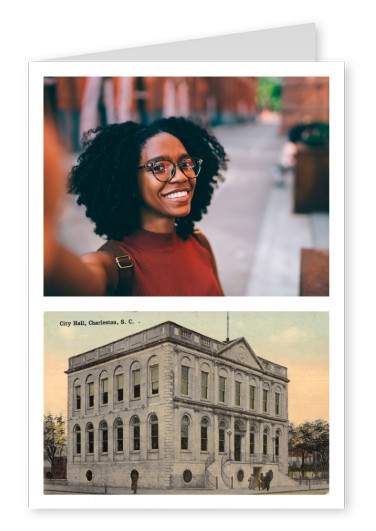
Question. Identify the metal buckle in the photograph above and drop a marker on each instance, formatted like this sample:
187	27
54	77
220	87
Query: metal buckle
125	266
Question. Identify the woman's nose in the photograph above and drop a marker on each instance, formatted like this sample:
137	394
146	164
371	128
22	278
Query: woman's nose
178	176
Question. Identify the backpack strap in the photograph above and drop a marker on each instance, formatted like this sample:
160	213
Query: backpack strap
204	242
125	268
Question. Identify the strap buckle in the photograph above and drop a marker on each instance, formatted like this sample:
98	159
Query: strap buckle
127	257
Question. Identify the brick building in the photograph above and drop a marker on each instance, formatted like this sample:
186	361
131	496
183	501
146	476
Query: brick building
304	100
182	409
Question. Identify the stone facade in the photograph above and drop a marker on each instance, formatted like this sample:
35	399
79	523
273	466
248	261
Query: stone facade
183	409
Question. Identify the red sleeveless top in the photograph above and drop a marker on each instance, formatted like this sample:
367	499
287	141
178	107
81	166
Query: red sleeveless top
166	265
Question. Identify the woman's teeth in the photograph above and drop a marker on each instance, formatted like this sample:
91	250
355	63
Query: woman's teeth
176	194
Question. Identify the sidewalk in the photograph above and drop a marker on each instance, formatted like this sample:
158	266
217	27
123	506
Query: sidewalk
51	488
276	266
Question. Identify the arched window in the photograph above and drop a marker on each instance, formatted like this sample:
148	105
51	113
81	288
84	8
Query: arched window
184	433
77	395
90	438
135	433
119	384
103	386
276	443
204	434
265	400
135	380
119	435
252	395
205	371
154	444
238	435
277	402
265	441
90	392
154	379
252	440
103	429
184	386
222	437
77	440
222	378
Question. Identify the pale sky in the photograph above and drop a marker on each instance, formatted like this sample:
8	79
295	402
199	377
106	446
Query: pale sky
296	340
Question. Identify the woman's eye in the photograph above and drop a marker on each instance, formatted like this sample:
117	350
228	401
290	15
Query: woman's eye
159	167
188	164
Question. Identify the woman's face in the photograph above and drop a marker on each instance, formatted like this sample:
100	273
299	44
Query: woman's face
162	202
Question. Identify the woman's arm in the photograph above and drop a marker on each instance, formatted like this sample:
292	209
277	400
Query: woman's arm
68	274
64	272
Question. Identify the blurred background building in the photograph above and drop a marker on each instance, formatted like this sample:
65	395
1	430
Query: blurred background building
269	221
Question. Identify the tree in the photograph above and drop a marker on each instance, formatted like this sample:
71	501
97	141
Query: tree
54	437
308	438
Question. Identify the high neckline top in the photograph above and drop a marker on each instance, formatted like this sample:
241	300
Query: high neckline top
166	265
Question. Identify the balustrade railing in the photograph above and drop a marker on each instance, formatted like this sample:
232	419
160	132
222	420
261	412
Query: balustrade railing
227	480
210	479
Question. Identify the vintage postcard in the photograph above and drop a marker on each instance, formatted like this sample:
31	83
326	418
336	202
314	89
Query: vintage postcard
195	404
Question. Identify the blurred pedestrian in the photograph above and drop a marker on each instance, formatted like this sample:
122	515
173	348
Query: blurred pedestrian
251	482
261	482
134	480
268	478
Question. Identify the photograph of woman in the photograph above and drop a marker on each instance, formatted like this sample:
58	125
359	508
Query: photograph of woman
144	186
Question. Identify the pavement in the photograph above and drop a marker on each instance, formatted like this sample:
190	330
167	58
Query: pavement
254	233
52	488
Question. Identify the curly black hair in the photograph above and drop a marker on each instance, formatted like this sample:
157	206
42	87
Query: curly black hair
105	176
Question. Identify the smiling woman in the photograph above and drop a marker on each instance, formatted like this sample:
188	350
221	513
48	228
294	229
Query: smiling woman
144	187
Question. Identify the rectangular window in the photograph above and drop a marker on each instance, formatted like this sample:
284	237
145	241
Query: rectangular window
204	438
154	379
136	383
252	443
90	392
78	442
265	401
252	397
237	393
204	385
184	436
90	442
154	436
77	397
222	389
136	437
265	444
221	441
119	439
104	391
105	441
184	380
277	404
120	387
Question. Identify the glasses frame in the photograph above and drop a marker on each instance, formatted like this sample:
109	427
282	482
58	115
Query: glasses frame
150	166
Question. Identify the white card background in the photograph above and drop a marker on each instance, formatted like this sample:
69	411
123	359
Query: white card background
341	36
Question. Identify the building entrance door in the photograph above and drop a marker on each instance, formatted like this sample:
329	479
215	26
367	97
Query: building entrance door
257	475
238	447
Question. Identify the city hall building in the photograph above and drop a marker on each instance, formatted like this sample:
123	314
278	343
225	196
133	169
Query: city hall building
179	409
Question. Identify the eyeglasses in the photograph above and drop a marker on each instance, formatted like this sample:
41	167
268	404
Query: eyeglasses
165	170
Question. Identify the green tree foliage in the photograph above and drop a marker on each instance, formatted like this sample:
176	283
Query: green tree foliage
308	438
269	92
54	438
